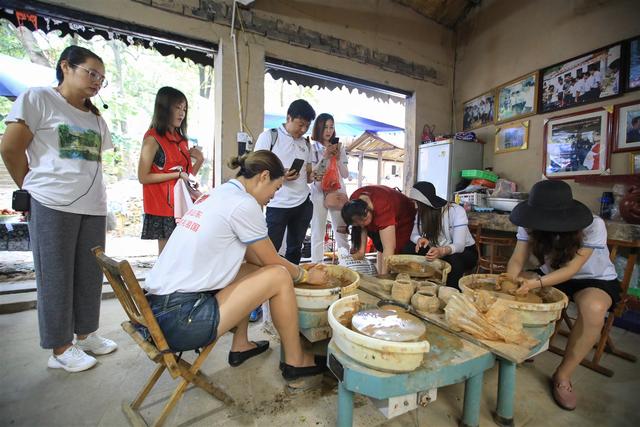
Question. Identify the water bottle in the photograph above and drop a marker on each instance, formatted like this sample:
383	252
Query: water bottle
606	203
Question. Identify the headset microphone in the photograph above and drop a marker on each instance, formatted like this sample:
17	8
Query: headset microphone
104	104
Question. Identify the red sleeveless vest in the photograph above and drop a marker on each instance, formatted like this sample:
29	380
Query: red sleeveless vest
158	198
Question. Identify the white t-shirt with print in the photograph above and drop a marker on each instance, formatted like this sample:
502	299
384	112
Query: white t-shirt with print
598	266
208	246
454	232
317	155
292	193
65	153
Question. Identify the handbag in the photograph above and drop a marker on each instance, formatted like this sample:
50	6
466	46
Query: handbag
192	189
335	200
182	200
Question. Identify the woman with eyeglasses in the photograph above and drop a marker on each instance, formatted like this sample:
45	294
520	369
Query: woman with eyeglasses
165	157
52	148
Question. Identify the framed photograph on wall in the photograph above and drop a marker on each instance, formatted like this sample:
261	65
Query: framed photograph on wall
626	127
517	98
634	163
581	80
478	112
632	72
576	144
512	137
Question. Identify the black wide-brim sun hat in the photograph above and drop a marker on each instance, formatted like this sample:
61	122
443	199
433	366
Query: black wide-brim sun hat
551	207
425	192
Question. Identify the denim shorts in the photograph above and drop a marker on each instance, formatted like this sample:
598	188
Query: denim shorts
188	320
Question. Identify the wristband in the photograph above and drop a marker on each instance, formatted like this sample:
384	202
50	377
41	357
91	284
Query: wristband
301	277
540	280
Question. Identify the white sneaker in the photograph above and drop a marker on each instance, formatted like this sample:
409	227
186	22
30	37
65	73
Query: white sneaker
72	360
96	344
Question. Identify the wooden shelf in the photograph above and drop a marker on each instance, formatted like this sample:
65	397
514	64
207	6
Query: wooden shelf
608	179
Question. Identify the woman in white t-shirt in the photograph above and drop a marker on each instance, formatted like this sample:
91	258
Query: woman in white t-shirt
325	147
443	228
571	246
53	149
200	287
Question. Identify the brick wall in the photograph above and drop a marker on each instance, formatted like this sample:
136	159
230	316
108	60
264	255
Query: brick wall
220	12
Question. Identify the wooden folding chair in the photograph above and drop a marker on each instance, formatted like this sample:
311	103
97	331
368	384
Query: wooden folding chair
605	343
135	304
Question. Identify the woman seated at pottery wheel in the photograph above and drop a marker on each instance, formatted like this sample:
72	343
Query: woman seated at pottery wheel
200	288
382	213
441	232
570	243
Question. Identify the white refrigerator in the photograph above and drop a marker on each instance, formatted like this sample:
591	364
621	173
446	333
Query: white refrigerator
441	162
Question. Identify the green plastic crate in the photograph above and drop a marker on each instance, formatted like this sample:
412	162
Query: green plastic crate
479	174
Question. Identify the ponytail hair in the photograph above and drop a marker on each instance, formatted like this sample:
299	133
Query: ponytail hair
256	162
75	55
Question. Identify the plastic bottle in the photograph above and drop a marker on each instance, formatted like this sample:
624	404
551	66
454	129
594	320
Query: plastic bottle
606	203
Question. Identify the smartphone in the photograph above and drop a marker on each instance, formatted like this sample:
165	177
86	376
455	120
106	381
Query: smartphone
296	165
335	140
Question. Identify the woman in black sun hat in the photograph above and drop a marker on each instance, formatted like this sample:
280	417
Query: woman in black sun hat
570	244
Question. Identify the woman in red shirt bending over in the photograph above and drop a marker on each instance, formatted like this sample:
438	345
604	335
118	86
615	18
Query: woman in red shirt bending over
165	157
382	213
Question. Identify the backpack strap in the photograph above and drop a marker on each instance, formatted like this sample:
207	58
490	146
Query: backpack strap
274	138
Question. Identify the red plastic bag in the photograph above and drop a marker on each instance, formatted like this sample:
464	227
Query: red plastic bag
331	179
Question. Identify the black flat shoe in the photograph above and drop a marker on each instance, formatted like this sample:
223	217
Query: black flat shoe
237	358
290	373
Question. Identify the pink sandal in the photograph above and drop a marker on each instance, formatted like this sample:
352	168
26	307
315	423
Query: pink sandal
563	394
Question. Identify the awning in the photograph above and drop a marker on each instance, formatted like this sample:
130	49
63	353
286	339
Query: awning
36	15
309	77
346	124
17	75
371	144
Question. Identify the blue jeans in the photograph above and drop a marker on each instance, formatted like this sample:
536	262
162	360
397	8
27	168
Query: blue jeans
188	320
295	221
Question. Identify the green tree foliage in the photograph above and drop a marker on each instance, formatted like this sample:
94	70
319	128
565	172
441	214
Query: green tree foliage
135	74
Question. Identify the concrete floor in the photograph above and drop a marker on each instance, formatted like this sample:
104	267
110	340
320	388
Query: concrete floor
32	395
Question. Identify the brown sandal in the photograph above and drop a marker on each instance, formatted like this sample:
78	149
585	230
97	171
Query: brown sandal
563	394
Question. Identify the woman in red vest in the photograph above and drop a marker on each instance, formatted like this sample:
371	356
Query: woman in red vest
165	157
385	215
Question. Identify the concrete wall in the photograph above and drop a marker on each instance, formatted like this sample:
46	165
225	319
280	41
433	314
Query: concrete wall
374	40
505	39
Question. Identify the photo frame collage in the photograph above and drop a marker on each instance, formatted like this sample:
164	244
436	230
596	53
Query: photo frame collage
578	143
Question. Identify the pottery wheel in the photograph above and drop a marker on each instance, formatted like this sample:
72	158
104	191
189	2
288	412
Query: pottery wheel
388	325
414	270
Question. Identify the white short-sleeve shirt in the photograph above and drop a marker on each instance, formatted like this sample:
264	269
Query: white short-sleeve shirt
292	193
208	246
65	168
598	266
455	229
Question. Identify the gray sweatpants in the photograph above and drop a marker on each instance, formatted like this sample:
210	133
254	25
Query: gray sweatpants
68	278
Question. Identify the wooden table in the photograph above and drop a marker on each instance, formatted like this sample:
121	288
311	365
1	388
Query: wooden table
454	357
616	230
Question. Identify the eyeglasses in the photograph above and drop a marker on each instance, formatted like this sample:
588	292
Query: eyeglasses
94	75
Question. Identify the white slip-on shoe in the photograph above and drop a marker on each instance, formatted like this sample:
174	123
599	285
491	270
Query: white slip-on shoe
72	360
96	344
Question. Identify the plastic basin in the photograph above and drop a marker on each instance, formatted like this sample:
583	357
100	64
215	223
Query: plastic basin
374	353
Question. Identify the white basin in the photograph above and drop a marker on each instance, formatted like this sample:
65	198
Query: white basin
372	352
